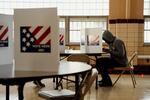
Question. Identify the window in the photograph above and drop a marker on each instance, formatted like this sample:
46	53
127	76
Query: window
65	7
78	8
77	24
147	30
147	21
62	23
146	7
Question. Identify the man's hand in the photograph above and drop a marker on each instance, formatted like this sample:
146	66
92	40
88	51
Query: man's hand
106	50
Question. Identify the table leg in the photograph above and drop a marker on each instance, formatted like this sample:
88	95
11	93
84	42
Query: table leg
56	87
76	83
96	82
20	91
7	92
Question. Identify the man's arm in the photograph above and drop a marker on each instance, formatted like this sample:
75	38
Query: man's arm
118	49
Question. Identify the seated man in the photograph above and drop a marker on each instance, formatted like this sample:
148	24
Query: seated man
118	57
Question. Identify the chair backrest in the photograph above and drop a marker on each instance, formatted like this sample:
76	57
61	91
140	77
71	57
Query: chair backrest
79	57
131	59
88	83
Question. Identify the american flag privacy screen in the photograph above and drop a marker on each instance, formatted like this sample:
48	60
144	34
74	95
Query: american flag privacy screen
3	36
35	39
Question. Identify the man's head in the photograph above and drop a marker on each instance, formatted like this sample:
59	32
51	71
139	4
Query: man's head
108	37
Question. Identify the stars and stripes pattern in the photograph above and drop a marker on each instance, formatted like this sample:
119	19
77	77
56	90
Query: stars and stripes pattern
35	39
61	39
3	36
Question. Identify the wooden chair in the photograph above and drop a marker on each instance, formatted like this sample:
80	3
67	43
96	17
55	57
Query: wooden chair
129	68
77	57
65	94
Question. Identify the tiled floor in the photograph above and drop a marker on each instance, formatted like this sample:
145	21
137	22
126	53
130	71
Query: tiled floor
123	90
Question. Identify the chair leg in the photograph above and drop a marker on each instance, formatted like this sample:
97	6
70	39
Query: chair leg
59	83
67	82
37	83
96	83
118	77
133	78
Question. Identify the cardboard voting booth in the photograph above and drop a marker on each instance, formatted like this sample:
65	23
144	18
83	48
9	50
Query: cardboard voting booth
6	45
7	70
6	39
91	40
62	39
36	39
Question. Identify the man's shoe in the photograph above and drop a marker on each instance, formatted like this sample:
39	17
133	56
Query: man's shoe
102	84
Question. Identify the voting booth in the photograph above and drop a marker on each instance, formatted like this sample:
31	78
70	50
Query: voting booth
36	39
62	39
91	40
6	44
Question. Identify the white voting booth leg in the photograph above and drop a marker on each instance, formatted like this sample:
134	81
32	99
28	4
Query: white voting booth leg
91	40
36	39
